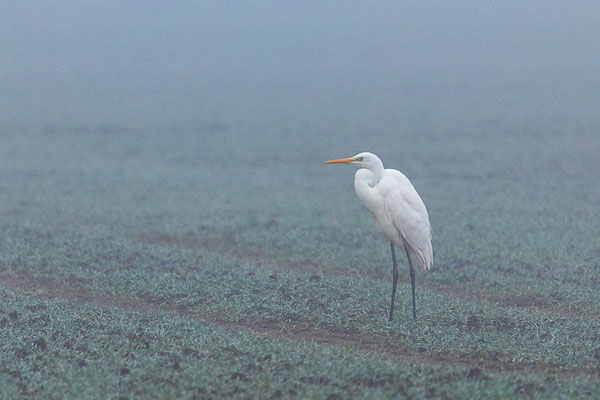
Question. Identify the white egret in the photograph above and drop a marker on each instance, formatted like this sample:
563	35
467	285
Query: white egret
399	214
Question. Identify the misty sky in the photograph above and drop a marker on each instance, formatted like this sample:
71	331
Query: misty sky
185	63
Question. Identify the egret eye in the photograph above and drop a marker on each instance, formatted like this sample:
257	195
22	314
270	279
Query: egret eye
359	159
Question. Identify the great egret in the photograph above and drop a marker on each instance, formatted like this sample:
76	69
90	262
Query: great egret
398	211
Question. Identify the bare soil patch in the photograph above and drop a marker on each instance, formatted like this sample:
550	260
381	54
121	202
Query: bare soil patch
73	290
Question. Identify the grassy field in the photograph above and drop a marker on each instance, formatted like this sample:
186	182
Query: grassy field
225	260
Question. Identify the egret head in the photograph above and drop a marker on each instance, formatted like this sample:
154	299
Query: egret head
364	160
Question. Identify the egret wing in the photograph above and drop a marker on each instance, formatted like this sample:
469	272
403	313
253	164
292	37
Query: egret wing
407	212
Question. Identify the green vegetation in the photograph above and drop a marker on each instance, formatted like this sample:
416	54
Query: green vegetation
52	347
232	264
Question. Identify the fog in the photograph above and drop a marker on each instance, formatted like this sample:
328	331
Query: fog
322	66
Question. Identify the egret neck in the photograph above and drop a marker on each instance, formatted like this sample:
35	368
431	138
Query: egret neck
365	180
370	172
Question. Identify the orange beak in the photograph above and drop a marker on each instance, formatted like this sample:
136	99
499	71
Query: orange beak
339	161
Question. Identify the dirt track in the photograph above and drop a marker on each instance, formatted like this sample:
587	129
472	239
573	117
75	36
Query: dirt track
285	330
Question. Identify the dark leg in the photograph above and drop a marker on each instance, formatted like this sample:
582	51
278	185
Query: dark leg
412	283
394	281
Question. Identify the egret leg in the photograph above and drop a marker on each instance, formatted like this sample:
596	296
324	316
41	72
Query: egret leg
412	283
394	281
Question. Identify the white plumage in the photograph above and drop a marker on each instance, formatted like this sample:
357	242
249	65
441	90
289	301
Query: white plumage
399	213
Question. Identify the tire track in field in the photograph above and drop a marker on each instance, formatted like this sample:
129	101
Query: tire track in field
323	334
473	294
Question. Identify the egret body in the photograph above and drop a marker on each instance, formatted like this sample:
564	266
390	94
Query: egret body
399	214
